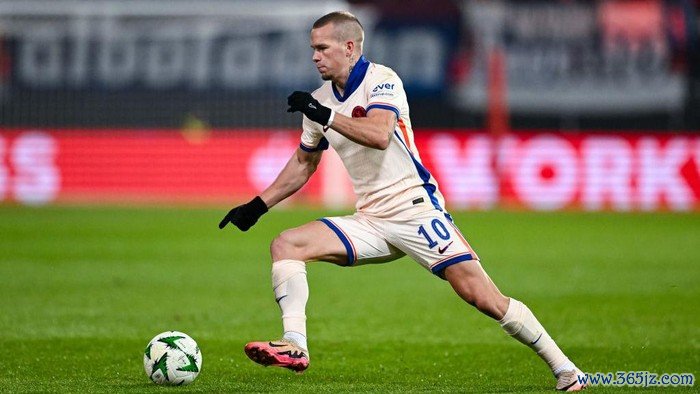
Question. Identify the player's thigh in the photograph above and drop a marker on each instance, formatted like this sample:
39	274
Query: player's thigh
363	242
309	242
431	239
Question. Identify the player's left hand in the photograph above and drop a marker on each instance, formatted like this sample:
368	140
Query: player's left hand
246	215
309	106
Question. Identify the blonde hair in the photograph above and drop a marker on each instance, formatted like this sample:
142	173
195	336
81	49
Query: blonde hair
347	27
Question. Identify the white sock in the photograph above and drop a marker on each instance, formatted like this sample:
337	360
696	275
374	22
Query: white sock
291	293
521	324
568	366
297	338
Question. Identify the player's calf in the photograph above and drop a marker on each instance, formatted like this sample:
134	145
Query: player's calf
474	286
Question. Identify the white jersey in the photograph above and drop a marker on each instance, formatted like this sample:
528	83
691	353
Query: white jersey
388	183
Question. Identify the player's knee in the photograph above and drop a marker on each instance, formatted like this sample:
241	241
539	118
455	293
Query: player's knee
280	247
286	246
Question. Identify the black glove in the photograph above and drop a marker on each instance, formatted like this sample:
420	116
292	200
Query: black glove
309	106
244	216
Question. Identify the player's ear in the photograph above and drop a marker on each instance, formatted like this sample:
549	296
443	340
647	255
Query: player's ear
349	48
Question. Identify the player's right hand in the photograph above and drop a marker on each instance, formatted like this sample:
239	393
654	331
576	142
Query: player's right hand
309	106
246	215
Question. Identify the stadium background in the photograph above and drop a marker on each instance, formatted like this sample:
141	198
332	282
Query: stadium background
128	128
542	105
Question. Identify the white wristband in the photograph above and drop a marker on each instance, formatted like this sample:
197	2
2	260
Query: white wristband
330	119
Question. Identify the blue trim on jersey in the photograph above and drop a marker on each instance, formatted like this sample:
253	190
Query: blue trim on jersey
322	145
343	239
424	175
384	106
354	79
439	269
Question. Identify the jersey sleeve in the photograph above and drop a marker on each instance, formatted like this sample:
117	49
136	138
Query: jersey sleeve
386	92
312	139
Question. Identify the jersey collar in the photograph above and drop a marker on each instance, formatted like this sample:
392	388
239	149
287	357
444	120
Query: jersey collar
354	79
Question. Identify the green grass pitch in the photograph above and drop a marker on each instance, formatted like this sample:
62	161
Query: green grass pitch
84	289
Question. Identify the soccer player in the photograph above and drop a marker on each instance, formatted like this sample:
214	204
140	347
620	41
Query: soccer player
361	111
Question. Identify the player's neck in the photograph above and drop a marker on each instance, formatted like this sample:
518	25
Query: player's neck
342	81
340	87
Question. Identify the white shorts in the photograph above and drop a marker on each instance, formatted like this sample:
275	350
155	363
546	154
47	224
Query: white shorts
430	238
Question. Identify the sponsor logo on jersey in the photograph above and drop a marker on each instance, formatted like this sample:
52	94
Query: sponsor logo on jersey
383	89
383	86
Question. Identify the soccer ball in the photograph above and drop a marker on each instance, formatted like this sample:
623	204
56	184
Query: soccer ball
172	358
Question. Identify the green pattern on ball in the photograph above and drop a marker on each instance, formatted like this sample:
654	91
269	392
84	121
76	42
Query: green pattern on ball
192	367
161	364
170	341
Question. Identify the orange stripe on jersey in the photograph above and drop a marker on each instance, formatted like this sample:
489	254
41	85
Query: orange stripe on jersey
402	126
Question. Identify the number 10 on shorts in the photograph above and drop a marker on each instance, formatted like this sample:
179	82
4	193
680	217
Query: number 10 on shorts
438	228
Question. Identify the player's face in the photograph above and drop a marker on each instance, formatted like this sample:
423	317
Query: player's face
330	56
